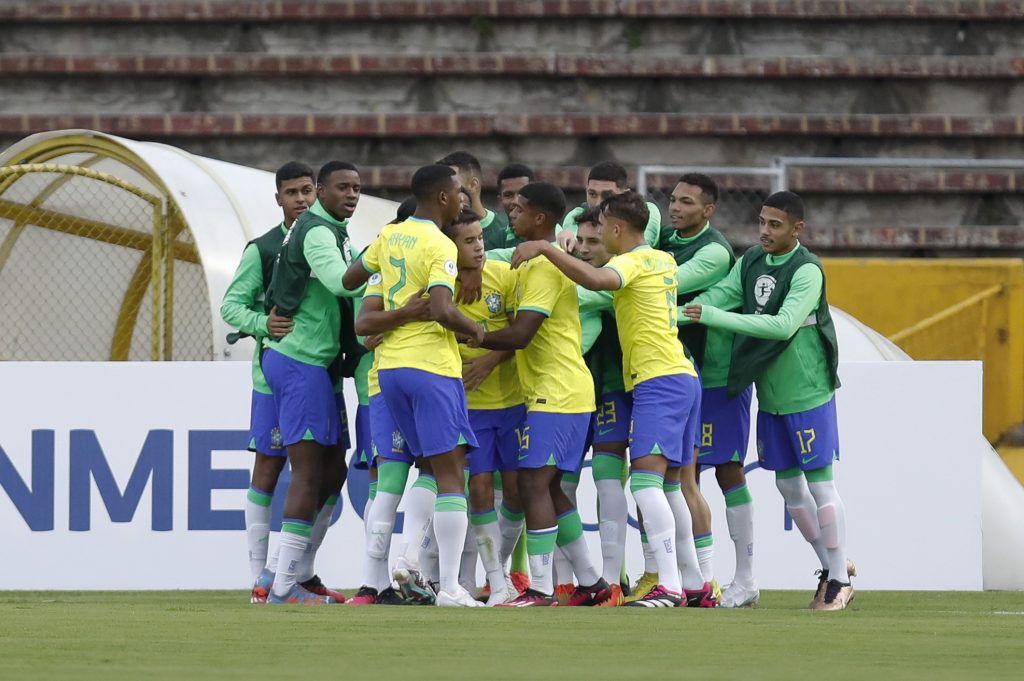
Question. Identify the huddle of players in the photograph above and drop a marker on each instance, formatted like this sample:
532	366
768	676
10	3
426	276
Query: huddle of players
475	362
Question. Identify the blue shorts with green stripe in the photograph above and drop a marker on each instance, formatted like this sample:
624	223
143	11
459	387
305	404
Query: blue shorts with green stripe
264	433
430	410
666	412
807	440
553	439
724	426
307	408
386	440
362	455
497	434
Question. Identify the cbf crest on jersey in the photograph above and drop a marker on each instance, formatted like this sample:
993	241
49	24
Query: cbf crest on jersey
493	302
764	286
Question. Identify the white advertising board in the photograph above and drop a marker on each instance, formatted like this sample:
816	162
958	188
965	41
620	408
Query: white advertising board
133	476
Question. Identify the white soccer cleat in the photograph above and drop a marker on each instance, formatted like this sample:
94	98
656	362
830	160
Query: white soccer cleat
460	599
503	595
740	596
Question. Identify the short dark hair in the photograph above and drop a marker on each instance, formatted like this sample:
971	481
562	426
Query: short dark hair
404	211
290	171
609	171
515	170
463	160
630	207
708	187
332	167
545	197
788	202
466	217
590	215
429	180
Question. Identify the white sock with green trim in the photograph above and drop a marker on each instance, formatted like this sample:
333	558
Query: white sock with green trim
488	542
257	529
686	552
510	524
419	509
450	524
323	520
294	544
658	520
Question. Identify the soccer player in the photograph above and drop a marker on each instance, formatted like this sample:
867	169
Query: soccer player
786	344
511	179
610	426
496	410
559	401
470	174
664	384
306	285
705	258
606	179
243	309
420	370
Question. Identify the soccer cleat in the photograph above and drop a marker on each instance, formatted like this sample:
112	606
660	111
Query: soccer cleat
390	597
703	597
563	592
366	595
503	595
590	595
659	597
837	596
520	580
261	587
717	590
643	586
529	599
460	599
822	575
315	585
299	596
414	586
739	596
616	598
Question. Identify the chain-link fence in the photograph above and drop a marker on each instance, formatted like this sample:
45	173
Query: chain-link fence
95	268
741	192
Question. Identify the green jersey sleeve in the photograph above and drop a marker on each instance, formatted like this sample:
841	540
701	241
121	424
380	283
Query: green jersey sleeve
705	269
321	251
801	301
239	307
726	294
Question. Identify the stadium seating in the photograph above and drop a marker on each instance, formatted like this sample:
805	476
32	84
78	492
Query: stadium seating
557	84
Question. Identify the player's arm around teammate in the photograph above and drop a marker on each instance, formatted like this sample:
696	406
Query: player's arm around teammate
243	309
786	344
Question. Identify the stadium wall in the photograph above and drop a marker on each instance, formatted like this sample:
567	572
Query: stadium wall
946	310
133	475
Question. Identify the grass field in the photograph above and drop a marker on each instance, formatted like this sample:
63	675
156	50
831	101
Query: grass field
218	635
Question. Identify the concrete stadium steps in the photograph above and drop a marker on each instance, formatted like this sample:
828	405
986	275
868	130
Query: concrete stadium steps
760	29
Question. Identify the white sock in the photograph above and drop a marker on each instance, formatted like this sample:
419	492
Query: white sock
650	563
429	566
380	526
686	552
561	568
419	508
511	529
367	507
467	564
274	552
832	522
706	560
804	512
541	563
450	523
257	531
661	534
488	541
741	530
320	525
612	517
293	546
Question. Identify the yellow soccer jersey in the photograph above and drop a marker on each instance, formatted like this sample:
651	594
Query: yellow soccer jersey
409	256
645	313
497	300
551	370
